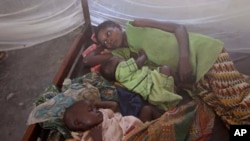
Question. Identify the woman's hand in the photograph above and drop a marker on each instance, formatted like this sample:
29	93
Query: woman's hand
142	53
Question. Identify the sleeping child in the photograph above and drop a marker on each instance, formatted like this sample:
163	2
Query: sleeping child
155	86
100	120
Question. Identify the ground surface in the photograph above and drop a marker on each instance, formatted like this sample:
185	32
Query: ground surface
23	76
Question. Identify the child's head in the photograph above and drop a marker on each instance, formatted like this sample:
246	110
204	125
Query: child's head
108	68
82	116
109	34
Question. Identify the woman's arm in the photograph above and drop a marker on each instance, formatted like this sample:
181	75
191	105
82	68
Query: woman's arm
140	61
107	105
181	35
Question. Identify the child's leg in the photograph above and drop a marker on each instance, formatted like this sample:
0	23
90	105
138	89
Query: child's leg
145	114
149	112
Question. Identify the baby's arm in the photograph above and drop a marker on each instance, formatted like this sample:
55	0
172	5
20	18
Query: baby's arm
141	59
189	86
96	57
96	133
107	105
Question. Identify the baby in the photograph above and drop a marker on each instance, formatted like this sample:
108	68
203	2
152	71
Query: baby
155	86
101	121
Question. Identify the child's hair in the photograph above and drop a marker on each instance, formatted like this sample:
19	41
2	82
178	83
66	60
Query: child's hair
104	25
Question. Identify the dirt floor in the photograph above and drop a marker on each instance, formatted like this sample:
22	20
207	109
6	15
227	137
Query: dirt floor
24	75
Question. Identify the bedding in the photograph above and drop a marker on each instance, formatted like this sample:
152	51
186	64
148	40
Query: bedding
191	121
51	105
228	93
189	117
197	128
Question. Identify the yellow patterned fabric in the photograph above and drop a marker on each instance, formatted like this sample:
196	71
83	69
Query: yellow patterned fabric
227	91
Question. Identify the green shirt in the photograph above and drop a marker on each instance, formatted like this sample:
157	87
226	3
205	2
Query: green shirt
156	88
162	48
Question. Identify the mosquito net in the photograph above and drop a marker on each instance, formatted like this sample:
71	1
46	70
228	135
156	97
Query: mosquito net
24	23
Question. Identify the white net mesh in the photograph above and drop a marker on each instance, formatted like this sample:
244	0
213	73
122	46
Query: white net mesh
27	22
24	23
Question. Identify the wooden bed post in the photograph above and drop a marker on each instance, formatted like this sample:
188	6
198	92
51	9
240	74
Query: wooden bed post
86	14
75	48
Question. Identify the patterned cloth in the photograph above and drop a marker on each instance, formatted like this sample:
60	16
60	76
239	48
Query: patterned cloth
49	113
54	107
106	89
223	88
227	91
90	86
190	122
51	105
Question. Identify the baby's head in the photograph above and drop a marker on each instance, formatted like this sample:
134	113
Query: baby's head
82	116
108	68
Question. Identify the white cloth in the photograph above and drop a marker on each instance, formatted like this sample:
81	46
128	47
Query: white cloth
114	126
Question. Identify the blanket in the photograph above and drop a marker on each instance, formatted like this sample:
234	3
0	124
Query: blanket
192	121
226	91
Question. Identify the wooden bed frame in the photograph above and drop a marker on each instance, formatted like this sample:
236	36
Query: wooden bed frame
72	67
